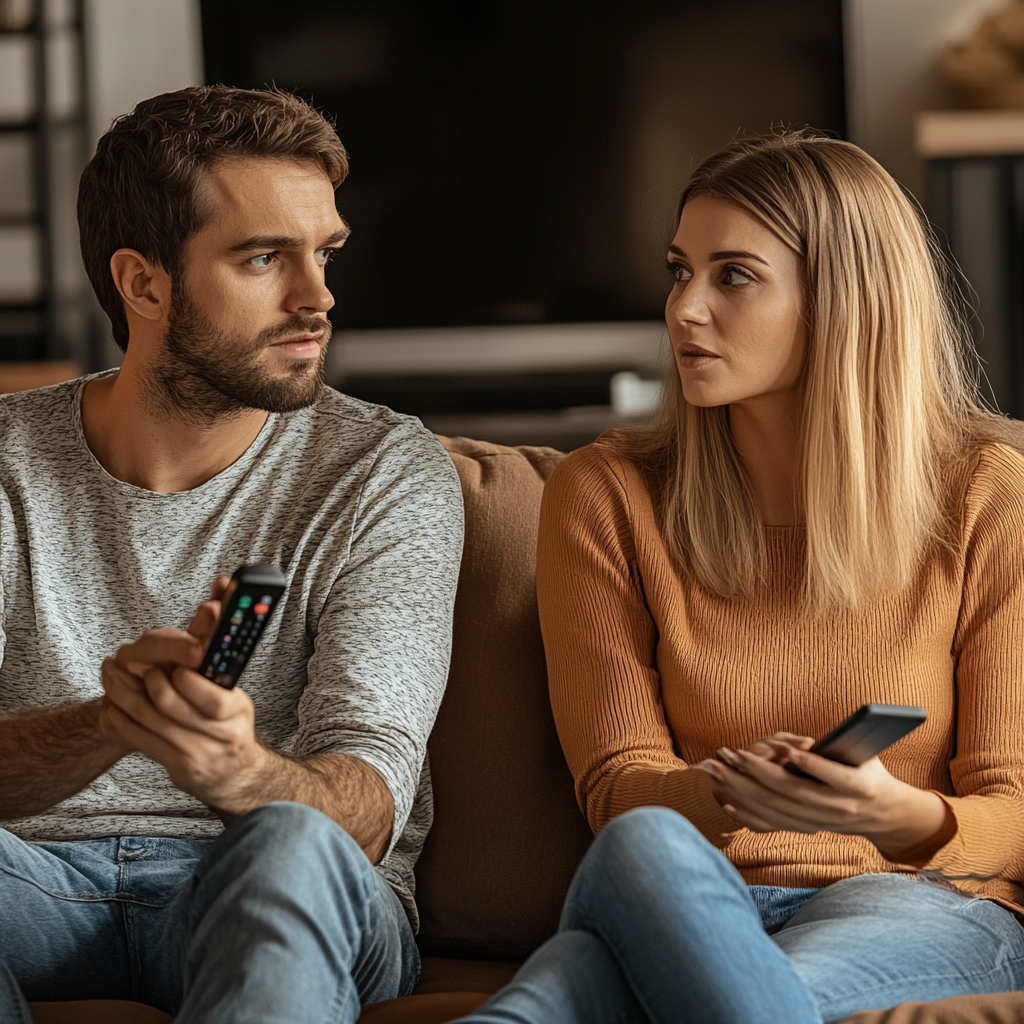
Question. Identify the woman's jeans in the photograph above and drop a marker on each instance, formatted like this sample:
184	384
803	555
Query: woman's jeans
659	927
281	919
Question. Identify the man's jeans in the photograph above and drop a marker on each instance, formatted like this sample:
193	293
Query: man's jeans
281	920
659	927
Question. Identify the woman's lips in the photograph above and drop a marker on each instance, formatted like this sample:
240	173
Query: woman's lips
692	357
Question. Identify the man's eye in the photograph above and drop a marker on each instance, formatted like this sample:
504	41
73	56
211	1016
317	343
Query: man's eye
736	276
262	262
324	256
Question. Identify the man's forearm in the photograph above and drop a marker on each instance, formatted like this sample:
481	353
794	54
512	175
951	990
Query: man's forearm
47	756
345	788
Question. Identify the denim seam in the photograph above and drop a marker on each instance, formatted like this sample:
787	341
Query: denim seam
905	979
79	897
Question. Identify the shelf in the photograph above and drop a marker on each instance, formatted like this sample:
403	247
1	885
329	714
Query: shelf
524	348
566	430
25	376
962	133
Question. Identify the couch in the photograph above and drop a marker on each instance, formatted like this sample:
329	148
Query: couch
507	834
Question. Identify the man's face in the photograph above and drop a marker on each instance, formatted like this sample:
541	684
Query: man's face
248	326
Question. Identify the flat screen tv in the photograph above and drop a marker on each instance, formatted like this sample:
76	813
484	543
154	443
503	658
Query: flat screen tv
517	161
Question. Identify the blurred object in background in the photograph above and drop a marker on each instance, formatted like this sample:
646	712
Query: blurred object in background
545	384
975	197
44	301
25	376
987	68
632	395
15	15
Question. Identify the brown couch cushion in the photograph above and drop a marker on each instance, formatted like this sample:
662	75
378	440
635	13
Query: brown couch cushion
507	833
996	1008
433	1009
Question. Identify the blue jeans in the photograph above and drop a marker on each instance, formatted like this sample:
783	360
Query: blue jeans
281	919
659	927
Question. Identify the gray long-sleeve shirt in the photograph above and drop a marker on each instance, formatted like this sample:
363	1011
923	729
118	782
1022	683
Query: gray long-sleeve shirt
361	509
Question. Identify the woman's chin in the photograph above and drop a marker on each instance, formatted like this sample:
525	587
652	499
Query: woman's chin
705	398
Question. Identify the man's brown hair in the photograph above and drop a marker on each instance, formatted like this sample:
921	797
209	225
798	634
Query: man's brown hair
142	188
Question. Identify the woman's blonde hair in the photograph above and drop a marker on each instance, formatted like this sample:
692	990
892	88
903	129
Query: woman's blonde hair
887	396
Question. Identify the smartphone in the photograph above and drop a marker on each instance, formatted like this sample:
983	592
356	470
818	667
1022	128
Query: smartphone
252	595
867	732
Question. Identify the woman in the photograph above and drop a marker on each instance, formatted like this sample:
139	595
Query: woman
810	526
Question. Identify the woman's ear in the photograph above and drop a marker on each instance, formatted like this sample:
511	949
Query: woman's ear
144	286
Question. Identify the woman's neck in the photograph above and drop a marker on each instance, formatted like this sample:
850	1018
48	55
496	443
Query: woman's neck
766	432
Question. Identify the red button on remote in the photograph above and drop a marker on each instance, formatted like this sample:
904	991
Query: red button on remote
261	609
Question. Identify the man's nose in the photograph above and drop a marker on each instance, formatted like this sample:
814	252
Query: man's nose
309	292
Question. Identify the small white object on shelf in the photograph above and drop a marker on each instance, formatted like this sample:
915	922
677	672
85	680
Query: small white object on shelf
634	396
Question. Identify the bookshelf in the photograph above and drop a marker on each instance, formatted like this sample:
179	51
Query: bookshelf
44	312
975	164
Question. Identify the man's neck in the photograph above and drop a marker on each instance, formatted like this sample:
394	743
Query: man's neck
144	445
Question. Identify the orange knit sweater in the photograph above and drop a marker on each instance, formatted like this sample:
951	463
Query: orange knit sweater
649	674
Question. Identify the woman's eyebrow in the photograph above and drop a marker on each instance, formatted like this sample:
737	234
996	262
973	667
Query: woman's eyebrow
732	254
725	254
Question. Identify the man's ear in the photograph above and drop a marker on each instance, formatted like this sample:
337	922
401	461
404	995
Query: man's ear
144	286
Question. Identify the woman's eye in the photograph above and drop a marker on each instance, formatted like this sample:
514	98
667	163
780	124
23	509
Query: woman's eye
736	276
679	272
262	262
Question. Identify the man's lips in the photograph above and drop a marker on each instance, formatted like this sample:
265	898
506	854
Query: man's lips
302	346
299	339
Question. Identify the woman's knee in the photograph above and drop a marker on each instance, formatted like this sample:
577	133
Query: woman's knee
644	834
642	860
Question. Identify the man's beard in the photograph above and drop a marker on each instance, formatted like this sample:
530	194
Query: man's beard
206	374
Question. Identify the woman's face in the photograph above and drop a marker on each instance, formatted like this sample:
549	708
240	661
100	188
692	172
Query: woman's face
735	312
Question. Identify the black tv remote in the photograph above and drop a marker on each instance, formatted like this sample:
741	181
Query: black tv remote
252	596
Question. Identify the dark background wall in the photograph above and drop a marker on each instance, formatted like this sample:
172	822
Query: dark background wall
516	161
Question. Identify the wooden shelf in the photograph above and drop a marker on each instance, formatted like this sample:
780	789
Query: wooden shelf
953	133
25	376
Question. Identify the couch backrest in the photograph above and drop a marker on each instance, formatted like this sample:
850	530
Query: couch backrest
507	832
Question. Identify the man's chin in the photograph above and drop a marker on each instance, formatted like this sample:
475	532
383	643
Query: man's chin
287	397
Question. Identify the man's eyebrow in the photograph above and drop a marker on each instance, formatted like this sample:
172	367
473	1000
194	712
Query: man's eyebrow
263	242
725	254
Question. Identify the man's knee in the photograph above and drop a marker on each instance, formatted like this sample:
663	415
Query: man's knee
291	845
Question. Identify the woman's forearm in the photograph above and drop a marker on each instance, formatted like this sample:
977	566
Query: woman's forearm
915	825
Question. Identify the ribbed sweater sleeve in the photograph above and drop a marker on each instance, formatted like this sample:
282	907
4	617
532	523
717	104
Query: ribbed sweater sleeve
600	640
987	770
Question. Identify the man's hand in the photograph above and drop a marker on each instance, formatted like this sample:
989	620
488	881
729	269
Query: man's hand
205	736
202	734
753	787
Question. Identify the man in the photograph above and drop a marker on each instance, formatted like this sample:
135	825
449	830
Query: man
211	851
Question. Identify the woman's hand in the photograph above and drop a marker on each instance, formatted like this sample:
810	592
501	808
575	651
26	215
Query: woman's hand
753	787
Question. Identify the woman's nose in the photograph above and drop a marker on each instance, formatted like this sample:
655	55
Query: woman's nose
688	304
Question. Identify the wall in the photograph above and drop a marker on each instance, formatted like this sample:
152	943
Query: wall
138	48
134	49
892	54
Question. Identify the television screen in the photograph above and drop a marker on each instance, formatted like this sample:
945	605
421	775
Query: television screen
517	161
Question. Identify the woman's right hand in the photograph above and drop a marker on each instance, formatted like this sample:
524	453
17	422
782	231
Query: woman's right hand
753	786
